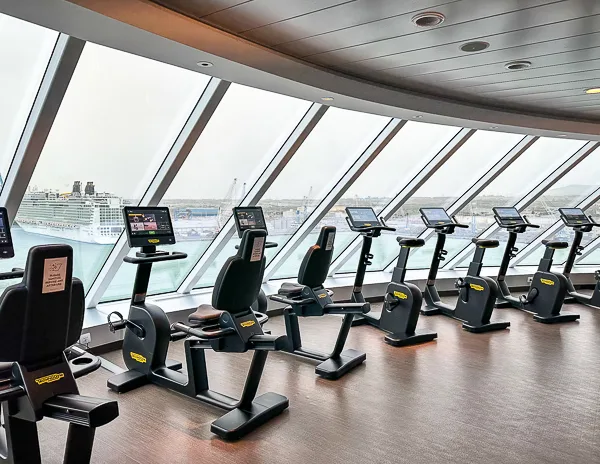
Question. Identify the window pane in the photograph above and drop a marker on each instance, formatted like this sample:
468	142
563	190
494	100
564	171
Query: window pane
568	191
115	125
443	188
242	136
407	154
328	152
566	234
25	50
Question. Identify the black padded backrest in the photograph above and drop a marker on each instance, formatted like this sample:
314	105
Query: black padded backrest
240	278
315	265
43	315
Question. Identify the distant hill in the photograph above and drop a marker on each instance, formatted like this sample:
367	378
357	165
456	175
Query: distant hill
570	190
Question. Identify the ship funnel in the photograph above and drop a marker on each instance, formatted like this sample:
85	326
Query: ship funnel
90	189
76	187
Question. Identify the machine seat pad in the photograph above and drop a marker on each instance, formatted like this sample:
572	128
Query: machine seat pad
485	243
410	242
205	313
555	244
290	289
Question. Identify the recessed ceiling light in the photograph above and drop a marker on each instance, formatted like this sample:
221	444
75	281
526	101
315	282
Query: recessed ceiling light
205	64
327	99
476	46
428	19
494	127
518	65
562	135
418	116
593	90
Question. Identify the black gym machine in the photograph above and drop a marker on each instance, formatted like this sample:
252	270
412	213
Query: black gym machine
548	289
477	294
581	223
402	303
41	319
228	325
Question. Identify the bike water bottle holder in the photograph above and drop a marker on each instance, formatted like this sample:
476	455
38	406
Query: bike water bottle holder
460	283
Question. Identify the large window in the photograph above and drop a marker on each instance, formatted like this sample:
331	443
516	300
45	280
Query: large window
406	154
569	191
443	188
25	50
243	135
531	168
329	151
119	117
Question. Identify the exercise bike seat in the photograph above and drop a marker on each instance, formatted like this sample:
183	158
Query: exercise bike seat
410	242
290	289
555	244
205	314
485	242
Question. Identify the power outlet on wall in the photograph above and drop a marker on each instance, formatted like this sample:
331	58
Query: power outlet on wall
85	339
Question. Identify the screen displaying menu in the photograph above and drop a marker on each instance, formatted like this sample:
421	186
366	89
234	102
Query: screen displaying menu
148	226
250	217
362	217
435	216
6	245
573	216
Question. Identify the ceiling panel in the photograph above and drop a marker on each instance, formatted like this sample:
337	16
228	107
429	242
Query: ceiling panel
462	31
200	8
542	65
258	13
376	40
544	35
331	20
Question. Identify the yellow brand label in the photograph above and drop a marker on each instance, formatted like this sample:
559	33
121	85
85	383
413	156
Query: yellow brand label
547	281
248	324
402	296
153	240
367	224
322	295
137	357
479	288
50	378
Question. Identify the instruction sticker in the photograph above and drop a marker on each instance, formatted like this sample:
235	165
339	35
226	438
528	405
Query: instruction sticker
257	249
330	239
55	275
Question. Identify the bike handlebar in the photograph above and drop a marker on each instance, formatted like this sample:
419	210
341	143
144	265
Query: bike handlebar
382	227
155	258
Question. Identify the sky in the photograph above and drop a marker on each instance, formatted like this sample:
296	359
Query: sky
121	114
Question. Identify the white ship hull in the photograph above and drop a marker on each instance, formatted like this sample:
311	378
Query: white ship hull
88	234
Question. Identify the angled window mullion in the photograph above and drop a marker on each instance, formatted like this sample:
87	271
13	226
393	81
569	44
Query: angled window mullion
388	211
532	196
53	87
274	167
480	184
530	248
375	147
589	249
181	148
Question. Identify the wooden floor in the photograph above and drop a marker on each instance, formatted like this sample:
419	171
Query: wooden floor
530	394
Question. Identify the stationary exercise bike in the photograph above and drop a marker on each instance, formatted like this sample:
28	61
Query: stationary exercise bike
41	317
548	289
581	223
477	295
308	298
228	325
252	217
403	300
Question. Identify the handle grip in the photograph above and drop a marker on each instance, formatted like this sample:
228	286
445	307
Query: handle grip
290	301
155	259
212	335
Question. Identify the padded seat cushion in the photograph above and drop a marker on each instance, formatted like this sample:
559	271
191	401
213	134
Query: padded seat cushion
555	244
290	289
485	243
410	242
205	313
